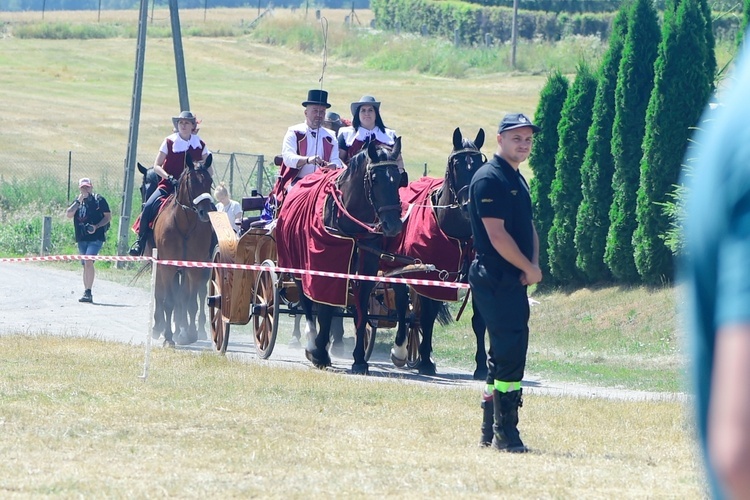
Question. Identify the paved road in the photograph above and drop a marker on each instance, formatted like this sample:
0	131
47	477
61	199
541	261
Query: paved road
37	298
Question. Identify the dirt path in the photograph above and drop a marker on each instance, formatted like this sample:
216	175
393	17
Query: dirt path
40	299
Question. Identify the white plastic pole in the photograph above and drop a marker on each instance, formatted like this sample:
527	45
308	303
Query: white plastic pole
151	310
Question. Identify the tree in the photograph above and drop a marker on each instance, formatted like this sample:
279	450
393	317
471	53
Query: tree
744	22
682	86
542	158
710	41
592	219
566	195
634	85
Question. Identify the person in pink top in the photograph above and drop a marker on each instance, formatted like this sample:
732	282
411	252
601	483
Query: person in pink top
169	164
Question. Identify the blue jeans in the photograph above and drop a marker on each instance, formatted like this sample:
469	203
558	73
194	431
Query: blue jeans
89	248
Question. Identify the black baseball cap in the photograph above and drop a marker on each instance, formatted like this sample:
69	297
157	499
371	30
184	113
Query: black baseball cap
515	120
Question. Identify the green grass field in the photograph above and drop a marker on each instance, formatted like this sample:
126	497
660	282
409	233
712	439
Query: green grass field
78	422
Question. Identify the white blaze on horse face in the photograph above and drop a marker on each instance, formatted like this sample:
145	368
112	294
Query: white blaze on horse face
311	333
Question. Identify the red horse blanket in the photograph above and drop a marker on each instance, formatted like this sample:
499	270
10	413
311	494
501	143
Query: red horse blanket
422	238
137	224
304	243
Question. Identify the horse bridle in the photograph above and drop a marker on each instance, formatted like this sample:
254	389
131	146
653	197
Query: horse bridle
368	187
195	201
335	192
451	170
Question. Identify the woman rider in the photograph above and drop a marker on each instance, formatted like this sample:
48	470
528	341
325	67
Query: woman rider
169	164
367	125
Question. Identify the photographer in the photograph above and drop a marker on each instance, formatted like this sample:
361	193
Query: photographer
91	216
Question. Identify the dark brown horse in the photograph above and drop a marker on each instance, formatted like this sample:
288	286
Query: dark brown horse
359	205
438	230
182	231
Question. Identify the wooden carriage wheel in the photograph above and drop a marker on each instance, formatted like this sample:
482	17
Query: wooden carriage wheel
414	333
264	309
219	326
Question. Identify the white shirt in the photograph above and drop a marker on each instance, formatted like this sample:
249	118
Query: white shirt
180	145
315	140
233	211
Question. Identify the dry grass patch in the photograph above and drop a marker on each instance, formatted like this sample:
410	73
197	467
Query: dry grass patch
77	421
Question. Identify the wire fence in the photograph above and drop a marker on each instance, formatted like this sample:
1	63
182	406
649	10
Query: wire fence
241	172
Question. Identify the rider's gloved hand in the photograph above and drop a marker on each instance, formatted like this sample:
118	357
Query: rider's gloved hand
173	181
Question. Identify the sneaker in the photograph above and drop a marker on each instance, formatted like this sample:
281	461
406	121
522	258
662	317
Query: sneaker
86	297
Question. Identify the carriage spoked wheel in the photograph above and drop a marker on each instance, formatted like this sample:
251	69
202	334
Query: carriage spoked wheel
219	327
264	310
414	333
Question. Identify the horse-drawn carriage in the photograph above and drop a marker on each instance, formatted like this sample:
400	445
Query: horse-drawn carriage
335	221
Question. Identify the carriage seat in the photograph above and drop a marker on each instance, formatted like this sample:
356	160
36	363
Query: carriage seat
254	203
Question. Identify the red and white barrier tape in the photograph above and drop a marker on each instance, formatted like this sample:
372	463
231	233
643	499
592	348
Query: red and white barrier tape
252	267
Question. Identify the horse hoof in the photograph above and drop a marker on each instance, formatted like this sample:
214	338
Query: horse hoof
319	359
360	369
168	343
295	343
397	362
480	374
202	335
187	339
427	368
155	334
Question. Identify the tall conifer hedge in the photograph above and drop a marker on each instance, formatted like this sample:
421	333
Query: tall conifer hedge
542	159
592	220
634	85
682	86
566	188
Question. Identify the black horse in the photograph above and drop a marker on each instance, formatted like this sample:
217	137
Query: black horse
359	205
447	206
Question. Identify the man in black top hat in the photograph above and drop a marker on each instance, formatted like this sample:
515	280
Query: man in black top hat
308	146
506	263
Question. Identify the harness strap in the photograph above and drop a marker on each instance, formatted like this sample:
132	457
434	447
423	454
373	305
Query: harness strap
330	188
388	256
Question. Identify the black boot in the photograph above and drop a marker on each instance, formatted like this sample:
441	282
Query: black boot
488	416
506	437
138	247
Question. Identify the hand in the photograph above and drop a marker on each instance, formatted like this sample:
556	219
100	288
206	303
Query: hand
531	276
315	160
90	228
172	180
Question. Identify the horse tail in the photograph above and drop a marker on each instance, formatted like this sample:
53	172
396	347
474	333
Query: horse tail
443	314
140	272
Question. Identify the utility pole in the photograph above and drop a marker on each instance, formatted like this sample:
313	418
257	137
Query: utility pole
179	58
514	35
135	115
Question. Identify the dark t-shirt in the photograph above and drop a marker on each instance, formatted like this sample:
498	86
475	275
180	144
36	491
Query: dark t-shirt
499	191
91	211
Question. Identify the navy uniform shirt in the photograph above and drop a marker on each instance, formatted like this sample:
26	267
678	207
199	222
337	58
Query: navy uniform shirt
499	191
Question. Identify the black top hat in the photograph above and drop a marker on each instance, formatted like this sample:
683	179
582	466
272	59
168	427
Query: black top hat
319	97
516	120
365	99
